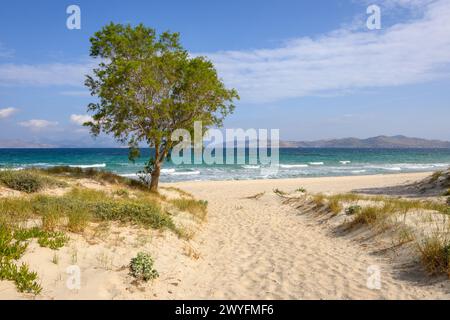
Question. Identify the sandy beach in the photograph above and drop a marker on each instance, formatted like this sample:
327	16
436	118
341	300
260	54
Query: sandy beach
246	249
263	250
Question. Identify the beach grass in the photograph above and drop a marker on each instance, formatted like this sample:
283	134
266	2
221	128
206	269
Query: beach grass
54	215
198	208
29	181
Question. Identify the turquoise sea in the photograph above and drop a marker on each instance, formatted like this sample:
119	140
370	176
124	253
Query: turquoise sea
293	162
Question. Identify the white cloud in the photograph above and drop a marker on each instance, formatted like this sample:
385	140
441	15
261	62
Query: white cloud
54	74
80	119
7	112
37	124
341	61
406	53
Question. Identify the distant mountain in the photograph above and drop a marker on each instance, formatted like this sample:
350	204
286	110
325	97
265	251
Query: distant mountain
16	143
374	142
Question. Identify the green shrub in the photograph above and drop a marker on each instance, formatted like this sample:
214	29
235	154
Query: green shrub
353	210
302	190
446	193
12	249
141	267
22	181
25	280
144	213
28	181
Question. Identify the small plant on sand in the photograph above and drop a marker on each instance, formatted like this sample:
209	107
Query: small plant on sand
435	176
301	190
141	267
279	192
12	249
355	209
334	206
435	255
372	216
319	200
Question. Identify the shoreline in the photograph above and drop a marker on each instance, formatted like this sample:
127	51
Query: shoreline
362	180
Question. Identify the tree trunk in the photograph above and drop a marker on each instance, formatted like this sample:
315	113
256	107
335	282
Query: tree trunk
155	177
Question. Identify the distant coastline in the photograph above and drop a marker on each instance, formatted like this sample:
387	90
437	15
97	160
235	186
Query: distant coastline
378	142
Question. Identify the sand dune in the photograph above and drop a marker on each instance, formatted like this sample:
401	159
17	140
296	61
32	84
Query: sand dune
247	249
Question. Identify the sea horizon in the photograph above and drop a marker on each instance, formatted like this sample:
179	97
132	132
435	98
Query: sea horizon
293	162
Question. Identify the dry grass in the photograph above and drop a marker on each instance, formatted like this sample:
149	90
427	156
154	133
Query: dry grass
435	255
197	208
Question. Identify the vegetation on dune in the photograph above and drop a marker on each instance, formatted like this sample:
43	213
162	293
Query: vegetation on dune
128	202
141	267
28	181
197	208
435	254
380	213
13	244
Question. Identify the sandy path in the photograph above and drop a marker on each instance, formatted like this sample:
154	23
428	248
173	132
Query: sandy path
258	249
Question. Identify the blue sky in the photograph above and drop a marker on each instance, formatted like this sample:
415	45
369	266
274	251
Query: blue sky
310	68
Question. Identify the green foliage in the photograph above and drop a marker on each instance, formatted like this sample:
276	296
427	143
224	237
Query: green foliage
12	249
25	280
143	213
355	209
28	181
301	190
143	80
141	267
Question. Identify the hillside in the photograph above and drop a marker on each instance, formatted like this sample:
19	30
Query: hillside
398	141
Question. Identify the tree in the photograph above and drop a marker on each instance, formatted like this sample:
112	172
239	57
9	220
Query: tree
149	86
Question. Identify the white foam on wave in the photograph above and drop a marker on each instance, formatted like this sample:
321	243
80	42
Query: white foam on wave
85	166
167	171
185	173
345	162
316	163
289	166
251	167
358	171
11	169
391	168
